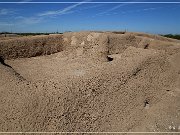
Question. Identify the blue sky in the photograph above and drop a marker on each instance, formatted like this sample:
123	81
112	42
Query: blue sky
151	18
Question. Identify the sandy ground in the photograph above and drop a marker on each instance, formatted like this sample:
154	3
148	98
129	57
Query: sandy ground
97	82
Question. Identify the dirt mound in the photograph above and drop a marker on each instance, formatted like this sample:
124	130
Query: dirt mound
8	36
99	82
155	37
120	95
30	46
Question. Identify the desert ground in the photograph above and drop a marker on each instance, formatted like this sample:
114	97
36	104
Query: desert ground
90	81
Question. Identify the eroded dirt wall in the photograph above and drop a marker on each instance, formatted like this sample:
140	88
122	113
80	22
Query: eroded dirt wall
31	46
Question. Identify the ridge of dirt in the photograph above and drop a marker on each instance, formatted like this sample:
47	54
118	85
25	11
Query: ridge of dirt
30	46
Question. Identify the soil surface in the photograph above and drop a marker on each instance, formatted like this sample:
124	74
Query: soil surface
90	82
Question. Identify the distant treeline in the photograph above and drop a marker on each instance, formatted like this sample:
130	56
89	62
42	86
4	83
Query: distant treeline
31	34
176	36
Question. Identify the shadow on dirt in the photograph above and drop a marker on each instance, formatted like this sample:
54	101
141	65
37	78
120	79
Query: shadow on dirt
2	62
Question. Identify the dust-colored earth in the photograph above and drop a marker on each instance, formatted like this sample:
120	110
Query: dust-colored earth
90	82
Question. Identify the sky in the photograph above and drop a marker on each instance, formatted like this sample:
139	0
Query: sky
137	17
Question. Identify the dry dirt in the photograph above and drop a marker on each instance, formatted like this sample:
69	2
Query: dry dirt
90	82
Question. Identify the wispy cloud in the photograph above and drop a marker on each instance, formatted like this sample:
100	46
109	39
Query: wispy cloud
147	9
112	9
41	17
5	11
142	10
66	10
5	24
108	11
28	20
133	11
117	7
91	7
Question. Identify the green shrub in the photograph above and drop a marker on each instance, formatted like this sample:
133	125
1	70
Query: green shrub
175	36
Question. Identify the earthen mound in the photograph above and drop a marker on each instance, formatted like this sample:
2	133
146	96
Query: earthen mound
90	82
